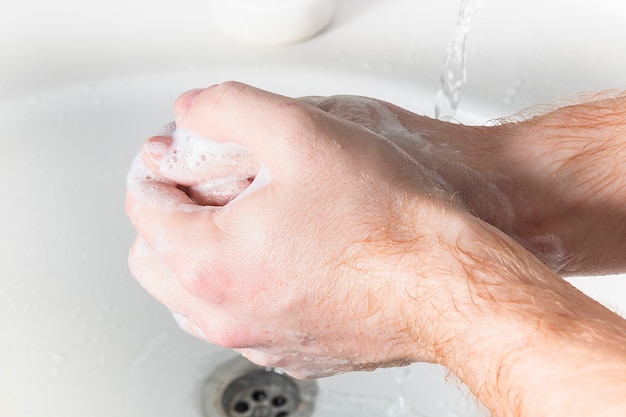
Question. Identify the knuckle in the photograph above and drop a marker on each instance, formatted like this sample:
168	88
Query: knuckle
296	111
227	91
300	124
226	340
200	276
229	334
323	103
189	274
263	358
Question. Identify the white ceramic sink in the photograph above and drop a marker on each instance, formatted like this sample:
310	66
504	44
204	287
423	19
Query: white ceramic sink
82	85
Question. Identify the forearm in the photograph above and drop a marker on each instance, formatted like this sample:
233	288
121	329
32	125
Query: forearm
526	342
555	183
569	176
573	370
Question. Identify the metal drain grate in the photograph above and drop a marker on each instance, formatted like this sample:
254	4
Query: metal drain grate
238	388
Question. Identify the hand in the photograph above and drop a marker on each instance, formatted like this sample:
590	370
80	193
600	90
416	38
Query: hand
360	245
552	182
314	264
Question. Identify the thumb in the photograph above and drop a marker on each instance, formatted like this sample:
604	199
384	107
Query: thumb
267	124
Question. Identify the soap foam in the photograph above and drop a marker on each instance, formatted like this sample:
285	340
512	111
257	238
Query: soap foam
151	187
193	159
209	172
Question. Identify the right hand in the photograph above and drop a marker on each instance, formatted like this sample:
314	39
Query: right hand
347	259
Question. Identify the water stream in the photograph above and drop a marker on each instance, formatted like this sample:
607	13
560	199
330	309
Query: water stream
453	69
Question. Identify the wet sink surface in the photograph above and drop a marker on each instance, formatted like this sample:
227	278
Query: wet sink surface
79	94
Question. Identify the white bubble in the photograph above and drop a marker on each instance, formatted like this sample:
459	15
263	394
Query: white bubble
210	172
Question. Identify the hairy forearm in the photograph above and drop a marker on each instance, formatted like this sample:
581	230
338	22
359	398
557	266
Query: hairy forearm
569	370
569	174
525	341
556	182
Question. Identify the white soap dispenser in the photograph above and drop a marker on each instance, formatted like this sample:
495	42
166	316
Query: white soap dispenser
272	22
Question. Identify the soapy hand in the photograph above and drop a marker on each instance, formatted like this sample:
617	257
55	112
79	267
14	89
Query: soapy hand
210	173
326	235
299	273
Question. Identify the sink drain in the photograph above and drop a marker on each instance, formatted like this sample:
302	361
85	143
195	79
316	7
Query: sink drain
239	388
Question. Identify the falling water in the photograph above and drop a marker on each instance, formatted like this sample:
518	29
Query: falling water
453	70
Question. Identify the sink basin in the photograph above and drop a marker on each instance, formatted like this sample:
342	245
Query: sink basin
82	85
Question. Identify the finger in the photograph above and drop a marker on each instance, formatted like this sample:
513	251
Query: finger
297	365
145	188
184	235
261	121
213	173
202	319
154	276
261	358
188	159
167	219
184	102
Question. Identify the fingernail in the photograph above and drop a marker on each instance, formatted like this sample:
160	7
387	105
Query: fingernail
185	324
180	320
154	151
184	103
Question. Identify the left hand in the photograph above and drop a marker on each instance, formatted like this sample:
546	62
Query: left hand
325	269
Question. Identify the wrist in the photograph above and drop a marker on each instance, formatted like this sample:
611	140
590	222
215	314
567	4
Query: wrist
476	274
